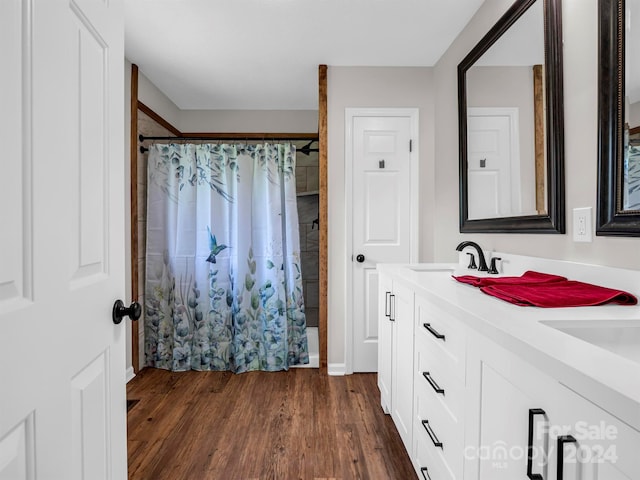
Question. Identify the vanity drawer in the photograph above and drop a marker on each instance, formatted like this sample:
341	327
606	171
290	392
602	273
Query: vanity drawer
442	436
429	466
440	383
441	334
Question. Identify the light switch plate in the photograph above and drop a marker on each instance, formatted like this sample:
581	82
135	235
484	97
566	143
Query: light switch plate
582	225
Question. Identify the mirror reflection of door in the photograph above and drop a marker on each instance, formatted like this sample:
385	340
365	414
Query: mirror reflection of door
493	162
508	77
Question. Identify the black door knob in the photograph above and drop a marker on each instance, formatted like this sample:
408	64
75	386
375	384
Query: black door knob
119	311
360	258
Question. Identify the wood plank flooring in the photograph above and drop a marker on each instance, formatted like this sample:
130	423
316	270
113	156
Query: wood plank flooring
272	426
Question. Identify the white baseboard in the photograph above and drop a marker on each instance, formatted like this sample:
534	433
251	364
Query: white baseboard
336	369
130	374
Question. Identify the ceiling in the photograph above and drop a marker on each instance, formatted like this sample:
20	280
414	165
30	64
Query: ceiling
264	54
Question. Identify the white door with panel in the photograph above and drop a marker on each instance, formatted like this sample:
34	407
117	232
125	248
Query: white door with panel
383	215
63	403
493	163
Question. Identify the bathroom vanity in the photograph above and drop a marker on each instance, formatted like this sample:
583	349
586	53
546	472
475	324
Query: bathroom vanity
480	389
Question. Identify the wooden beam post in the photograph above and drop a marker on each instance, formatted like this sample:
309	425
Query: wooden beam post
323	217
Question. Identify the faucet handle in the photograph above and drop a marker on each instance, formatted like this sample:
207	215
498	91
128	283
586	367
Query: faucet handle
493	269
472	261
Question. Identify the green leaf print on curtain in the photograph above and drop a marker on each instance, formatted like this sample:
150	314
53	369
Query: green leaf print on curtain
223	288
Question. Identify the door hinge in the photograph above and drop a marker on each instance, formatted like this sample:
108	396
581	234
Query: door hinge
410	146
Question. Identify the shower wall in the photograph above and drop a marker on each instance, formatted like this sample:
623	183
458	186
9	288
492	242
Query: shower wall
307	185
147	127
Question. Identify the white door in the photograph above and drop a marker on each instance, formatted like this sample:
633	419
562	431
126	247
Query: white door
493	171
383	215
62	374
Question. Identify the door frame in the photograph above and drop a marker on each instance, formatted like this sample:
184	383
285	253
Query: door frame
414	228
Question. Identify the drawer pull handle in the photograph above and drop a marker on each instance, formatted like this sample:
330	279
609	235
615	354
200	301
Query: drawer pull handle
387	304
562	439
432	382
532	413
431	433
392	308
433	331
425	473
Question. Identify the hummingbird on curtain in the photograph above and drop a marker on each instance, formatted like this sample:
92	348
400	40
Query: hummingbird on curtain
214	247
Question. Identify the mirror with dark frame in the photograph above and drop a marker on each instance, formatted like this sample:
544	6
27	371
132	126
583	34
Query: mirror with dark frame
619	119
511	124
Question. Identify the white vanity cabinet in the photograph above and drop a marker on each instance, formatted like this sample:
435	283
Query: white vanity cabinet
395	354
513	408
473	402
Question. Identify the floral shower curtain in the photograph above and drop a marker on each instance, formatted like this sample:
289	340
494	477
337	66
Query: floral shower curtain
223	287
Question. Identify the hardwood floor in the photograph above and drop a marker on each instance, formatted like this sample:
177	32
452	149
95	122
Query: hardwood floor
259	425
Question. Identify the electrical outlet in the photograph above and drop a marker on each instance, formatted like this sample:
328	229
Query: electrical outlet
582	225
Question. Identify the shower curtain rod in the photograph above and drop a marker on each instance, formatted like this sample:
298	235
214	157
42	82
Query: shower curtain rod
238	136
306	149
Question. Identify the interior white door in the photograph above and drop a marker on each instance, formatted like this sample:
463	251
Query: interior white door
62	400
381	219
493	163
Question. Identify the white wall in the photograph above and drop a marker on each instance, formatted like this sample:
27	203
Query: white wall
370	87
245	121
157	101
580	100
262	121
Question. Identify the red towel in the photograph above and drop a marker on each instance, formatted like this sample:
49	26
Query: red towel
526	278
569	293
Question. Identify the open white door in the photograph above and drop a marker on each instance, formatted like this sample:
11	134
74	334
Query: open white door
62	373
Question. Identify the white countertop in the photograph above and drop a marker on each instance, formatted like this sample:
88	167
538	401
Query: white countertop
579	365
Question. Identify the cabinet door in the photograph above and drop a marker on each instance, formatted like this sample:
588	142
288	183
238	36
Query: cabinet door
506	398
402	368
385	339
599	446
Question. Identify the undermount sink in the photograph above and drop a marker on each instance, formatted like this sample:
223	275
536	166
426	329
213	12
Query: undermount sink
621	337
431	267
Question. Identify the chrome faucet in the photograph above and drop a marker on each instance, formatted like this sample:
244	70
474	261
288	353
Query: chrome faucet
482	263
